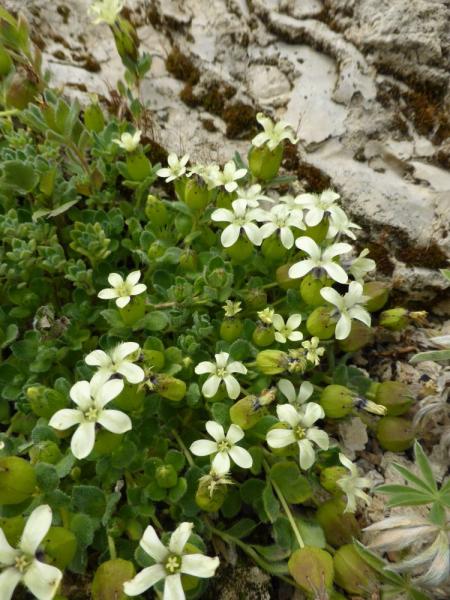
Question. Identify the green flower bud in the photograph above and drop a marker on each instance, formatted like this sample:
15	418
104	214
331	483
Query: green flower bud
255	299
272	362
395	434
395	396
134	529
263	335
249	410
231	328
154	359
273	249
138	166
360	336
339	527
321	323
263	163
127	42
168	387
318	232
44	402
310	287
17	480
188	260
110	577
337	401
60	546
75	474
395	319
378	294
156	249
93	117
156	211
211	492
283	279
240	251
329	477
47	452
166	476
353	574
6	62
196	194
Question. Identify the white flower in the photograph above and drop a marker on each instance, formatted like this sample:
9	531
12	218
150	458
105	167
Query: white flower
287	388
290	202
241	217
349	306
129	142
105	11
220	371
352	485
318	206
122	290
229	176
300	431
21	564
171	563
252	195
340	224
287	331
116	362
231	308
360	266
209	173
314	351
91	399
281	218
320	260
224	447
273	133
176	168
266	315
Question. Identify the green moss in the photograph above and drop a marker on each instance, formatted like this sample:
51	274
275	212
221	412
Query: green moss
240	119
181	66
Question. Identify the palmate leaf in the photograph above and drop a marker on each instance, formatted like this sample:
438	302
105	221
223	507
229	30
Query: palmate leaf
424	465
402	495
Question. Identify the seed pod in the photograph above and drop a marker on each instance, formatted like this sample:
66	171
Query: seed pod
339	527
17	480
210	499
134	529
273	249
395	434
240	251
353	574
169	387
250	409
231	328
196	194
395	319
271	362
12	528
360	335
47	452
312	568
188	260
255	299
60	546
310	287
263	335
156	249
110	577
321	323
329	477
395	396
337	401
283	279
264	163
166	476
378	294
156	211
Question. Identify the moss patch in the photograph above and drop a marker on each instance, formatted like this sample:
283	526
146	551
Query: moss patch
240	119
181	66
313	179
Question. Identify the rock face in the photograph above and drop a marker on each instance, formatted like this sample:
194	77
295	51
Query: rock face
365	82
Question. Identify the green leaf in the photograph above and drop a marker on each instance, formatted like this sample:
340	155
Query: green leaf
409	476
46	477
83	528
378	564
11	333
21	176
242	528
312	533
424	466
109	579
89	499
154	321
436	355
293	485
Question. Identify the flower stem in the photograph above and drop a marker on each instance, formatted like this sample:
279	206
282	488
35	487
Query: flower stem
112	548
185	451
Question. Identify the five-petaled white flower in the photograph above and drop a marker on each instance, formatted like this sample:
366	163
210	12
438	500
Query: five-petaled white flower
314	351
209	173
360	266
129	142
340	224
176	168
21	565
352	485
320	260
224	447
231	308
348	307
116	361
252	195
91	399
318	206
240	218
105	11
281	218
287	331
221	370
273	134
300	431
287	388
121	289
229	177
170	564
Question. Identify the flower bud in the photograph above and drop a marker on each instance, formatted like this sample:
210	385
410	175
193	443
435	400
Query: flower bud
138	166
263	335
47	452
283	279
272	362
240	251
211	492
395	319
217	278
395	396
329	477
93	117
166	476
321	323
127	42
168	387
134	530
273	249
156	211
318	232
263	163
196	194
297	361
395	434
255	298
378	294
340	527
360	335
337	401
17	480
231	328
188	260
156	249
249	410
352	573
312	568
310	287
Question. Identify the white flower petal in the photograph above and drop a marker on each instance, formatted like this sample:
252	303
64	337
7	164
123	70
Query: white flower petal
115	421
215	430
236	367
42	580
319	437
179	537
9	580
295	336
286	237
211	385
123	350
83	440
203	447
230	235
7	552
152	545
294	321
287	388
312	413
173	589
288	414
66	418
223	214
301	268
133	277
234	434
280	338
132	373
107	294
221	462
343	327
97	358
199	565
138	289
122	301
80	393
279	438
305	392
241	457
144	580
115	280
232	385
307	456
36	527
205	367
253	233
108	391
336	272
